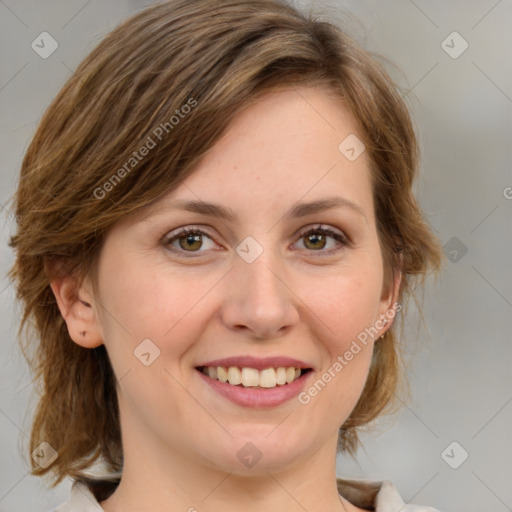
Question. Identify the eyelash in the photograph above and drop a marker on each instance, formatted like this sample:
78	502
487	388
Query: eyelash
343	241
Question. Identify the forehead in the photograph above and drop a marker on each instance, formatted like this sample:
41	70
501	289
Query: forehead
282	150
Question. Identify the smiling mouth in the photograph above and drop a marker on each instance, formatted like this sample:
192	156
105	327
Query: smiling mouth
247	377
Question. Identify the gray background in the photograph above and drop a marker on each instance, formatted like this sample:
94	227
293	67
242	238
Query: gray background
459	363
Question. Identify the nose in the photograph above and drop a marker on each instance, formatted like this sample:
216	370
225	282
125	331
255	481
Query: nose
259	301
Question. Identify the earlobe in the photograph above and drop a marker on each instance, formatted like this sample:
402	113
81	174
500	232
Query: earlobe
75	306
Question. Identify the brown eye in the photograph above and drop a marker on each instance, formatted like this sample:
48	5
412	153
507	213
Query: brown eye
317	239
188	240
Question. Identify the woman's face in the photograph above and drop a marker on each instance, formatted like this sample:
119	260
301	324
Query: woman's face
249	290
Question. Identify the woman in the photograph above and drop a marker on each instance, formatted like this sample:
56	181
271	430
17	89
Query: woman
216	229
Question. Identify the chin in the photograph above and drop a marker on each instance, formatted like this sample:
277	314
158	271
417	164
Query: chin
258	449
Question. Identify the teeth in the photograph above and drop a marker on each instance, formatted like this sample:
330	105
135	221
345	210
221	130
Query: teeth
281	376
234	375
251	377
222	374
268	378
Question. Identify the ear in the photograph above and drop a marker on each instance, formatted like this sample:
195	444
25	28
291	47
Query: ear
389	306
76	307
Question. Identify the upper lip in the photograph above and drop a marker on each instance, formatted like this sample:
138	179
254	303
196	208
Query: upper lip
258	363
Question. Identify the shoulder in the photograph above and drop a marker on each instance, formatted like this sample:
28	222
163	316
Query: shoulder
86	495
381	496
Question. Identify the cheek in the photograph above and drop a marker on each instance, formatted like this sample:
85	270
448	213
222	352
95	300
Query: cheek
349	305
135	296
151	304
143	301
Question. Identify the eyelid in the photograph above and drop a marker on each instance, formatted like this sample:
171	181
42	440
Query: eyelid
183	229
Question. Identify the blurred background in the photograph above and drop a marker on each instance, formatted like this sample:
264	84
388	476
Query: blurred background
450	445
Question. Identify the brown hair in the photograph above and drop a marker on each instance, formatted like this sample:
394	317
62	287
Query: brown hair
216	57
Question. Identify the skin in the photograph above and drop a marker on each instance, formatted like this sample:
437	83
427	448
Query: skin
180	438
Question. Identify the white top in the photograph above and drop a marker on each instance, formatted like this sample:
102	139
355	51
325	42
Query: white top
377	496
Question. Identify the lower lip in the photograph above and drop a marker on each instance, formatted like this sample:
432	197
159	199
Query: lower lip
257	398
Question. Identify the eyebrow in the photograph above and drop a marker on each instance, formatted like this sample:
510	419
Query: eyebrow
297	211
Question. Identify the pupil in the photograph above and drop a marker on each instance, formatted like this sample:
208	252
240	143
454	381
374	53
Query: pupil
315	238
190	239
